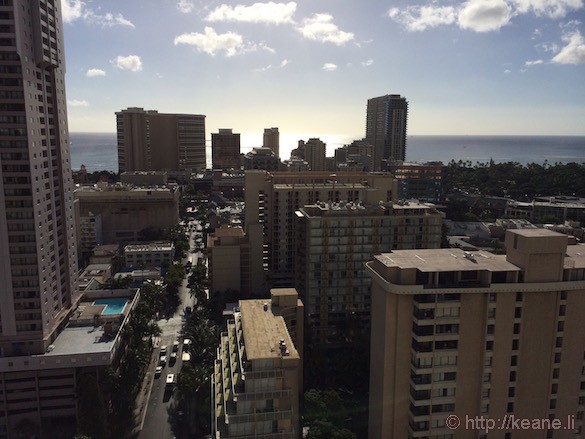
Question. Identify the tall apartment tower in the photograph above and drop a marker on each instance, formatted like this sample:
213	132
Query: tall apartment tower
272	140
386	128
225	149
153	141
459	336
334	241
38	261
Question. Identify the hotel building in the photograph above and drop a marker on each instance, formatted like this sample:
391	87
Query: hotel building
478	335
333	243
257	378
272	199
153	141
271	139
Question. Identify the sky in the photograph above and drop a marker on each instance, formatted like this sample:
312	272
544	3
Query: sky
479	67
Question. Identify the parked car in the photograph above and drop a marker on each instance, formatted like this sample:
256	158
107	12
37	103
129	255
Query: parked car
158	371
163	350
162	361
175	346
173	358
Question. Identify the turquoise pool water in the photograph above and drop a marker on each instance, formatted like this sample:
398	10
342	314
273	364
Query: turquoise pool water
113	306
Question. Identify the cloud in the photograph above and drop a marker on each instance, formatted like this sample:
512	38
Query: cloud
77	103
273	13
210	42
320	27
130	62
549	47
549	8
507	71
92	73
484	15
419	18
533	63
284	63
71	10
185	6
574	50
368	63
330	67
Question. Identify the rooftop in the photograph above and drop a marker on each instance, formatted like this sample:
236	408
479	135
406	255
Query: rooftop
151	246
263	330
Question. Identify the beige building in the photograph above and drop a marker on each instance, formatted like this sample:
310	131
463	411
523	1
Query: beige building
334	241
225	150
147	255
272	199
38	255
228	253
153	141
126	210
257	378
271	139
478	336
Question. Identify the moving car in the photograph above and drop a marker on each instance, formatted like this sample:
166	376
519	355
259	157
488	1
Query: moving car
158	371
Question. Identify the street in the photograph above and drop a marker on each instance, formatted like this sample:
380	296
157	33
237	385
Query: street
156	423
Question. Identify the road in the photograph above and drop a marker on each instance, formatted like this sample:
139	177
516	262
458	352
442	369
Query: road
156	423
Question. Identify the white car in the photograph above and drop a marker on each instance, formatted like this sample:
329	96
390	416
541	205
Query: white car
158	371
163	350
162	361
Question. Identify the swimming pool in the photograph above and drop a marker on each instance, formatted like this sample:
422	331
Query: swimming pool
113	306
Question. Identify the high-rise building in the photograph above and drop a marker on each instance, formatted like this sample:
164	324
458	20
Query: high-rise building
333	242
386	128
38	261
271	201
315	154
272	140
460	336
225	149
258	372
153	141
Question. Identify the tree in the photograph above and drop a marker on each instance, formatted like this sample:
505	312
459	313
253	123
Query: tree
92	410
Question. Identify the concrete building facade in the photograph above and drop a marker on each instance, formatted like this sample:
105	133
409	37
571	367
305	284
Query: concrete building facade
478	335
126	210
257	378
333	243
420	181
152	254
315	154
225	150
153	141
386	121
271	139
271	200
228	256
261	158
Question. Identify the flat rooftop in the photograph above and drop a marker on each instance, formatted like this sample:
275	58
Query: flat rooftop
448	259
82	340
263	330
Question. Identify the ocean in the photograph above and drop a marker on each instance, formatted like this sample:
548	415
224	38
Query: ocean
98	151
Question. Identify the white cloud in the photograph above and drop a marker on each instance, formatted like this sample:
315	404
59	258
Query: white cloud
71	10
130	62
484	15
185	6
549	8
419	18
574	50
330	67
320	27
284	63
92	73
507	71
210	42
533	63
273	13
77	103
368	63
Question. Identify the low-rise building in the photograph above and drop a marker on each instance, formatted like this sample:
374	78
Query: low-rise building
261	158
152	254
420	181
257	377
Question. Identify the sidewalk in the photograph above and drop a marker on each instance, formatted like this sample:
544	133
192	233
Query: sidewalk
143	396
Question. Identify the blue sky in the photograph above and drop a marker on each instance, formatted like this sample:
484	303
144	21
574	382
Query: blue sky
476	67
